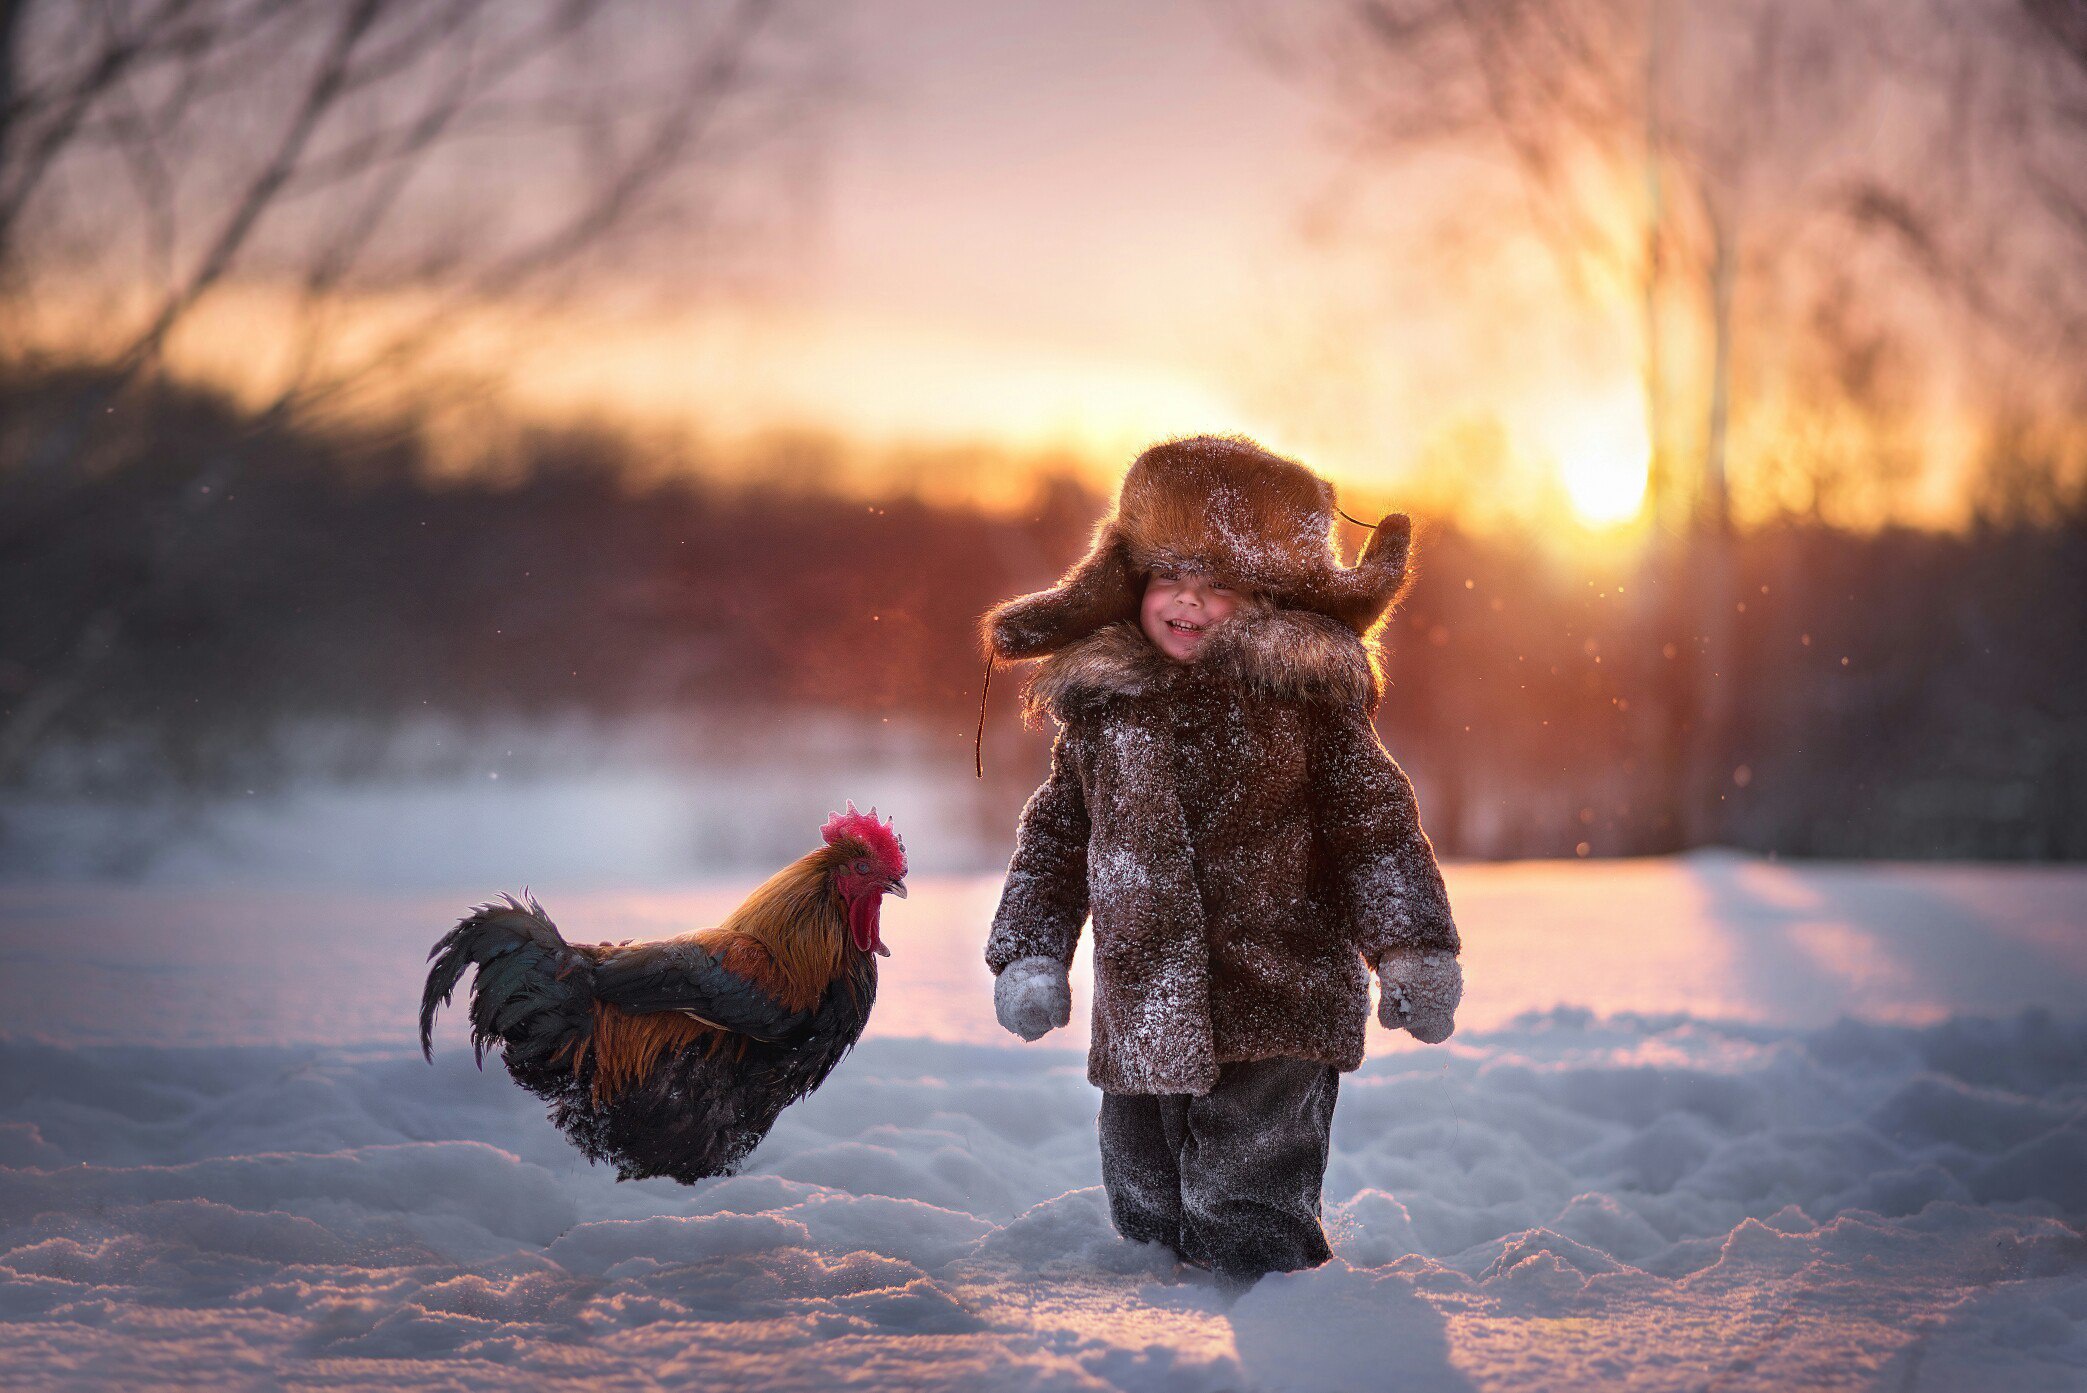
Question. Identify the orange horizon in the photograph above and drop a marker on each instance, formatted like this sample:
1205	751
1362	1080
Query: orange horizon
921	410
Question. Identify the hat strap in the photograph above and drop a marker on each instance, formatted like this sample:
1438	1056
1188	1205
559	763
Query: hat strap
978	743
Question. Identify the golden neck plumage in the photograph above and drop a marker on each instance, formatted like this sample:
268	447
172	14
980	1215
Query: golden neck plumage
797	915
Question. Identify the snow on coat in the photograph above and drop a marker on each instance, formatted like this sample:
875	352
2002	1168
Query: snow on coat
1241	838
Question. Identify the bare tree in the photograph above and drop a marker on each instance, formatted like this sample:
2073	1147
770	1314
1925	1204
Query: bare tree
2056	30
2056	38
383	168
1686	153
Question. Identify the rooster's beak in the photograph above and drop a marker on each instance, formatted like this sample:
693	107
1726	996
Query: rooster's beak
896	887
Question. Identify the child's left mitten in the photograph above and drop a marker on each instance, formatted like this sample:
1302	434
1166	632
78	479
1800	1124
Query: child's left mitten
1420	991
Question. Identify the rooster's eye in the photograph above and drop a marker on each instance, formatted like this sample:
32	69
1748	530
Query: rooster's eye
862	868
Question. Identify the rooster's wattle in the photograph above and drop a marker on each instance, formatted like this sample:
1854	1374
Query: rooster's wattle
675	1057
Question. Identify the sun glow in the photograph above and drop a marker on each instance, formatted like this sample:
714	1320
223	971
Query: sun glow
920	406
734	374
1603	457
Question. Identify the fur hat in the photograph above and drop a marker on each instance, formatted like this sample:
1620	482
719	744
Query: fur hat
1225	506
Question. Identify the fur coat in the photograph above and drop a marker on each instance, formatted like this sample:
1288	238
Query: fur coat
1239	835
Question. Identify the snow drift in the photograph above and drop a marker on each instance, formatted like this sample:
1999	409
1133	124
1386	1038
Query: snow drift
1565	1201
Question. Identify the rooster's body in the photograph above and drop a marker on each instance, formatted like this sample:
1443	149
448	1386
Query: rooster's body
675	1058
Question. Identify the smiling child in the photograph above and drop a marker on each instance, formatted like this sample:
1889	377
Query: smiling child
1219	800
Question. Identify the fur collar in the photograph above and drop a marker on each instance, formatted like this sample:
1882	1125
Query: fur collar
1290	654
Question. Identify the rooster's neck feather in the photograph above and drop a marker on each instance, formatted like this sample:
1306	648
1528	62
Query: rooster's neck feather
797	915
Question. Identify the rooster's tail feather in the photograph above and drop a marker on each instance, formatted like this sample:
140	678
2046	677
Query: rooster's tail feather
532	993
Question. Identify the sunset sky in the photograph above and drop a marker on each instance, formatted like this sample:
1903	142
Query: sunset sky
1066	230
1081	227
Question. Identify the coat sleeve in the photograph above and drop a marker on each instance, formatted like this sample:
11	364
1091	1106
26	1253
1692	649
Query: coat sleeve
1044	900
1384	870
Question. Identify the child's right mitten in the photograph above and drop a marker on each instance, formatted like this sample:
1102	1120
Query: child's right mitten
1033	996
1420	989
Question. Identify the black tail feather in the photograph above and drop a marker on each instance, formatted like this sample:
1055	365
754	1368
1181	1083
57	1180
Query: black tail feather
532	991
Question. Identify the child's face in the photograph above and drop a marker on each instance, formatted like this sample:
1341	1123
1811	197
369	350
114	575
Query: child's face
1180	609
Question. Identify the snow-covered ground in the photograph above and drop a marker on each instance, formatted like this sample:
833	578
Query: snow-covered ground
1707	1123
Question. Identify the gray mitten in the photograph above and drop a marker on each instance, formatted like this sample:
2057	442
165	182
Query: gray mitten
1421	988
1033	996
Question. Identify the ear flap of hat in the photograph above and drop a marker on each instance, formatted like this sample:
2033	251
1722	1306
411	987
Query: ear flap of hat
1101	589
1362	594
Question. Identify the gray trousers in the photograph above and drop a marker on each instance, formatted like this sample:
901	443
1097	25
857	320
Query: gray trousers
1229	1179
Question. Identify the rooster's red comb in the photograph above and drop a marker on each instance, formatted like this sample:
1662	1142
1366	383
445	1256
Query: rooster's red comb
881	838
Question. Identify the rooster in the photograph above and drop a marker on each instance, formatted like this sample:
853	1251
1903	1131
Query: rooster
675	1058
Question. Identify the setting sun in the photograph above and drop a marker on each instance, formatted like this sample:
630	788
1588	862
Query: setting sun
1602	456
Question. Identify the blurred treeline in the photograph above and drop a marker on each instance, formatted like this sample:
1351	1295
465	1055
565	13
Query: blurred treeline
1897	693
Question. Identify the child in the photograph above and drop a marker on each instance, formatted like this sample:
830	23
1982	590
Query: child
1219	800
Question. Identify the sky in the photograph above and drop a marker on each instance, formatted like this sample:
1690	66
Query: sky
1081	227
1069	230
1033	222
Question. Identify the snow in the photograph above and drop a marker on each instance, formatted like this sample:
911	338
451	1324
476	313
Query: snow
1705	1122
